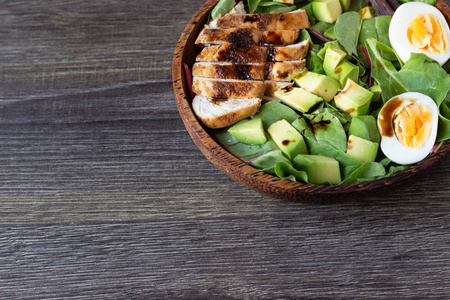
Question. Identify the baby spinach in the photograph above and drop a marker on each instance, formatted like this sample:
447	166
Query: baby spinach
276	163
222	7
322	128
383	70
422	74
273	111
347	28
252	5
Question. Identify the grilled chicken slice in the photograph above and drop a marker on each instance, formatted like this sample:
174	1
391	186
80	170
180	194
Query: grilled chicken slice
227	88
228	52
287	53
279	71
282	71
297	19
247	36
227	70
223	112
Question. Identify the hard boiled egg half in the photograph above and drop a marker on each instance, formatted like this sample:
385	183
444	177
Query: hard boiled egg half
408	126
420	28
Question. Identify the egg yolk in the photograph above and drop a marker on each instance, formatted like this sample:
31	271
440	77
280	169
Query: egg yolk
412	124
427	33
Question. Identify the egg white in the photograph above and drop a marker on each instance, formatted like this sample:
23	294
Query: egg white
394	149
400	22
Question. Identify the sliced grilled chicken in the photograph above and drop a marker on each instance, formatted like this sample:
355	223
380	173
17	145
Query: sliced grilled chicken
297	19
279	71
286	53
252	53
282	71
223	112
246	36
227	70
228	88
237	53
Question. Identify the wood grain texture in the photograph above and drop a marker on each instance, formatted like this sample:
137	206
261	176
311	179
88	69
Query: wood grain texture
104	195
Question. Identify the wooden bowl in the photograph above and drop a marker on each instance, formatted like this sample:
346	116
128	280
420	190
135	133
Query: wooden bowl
186	53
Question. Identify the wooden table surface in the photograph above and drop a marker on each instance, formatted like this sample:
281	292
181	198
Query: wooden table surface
103	194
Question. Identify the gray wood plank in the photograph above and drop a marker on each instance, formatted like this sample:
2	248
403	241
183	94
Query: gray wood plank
104	195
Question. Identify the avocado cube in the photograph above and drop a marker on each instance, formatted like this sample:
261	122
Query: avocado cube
297	98
343	71
365	127
334	44
320	169
345	4
368	12
249	132
333	56
354	99
376	90
318	84
327	10
362	149
287	138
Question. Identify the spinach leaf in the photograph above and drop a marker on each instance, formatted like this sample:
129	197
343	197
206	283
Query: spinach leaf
444	123
273	111
366	172
422	74
347	28
313	62
223	7
252	5
243	151
377	28
276	163
322	128
384	71
357	5
273	7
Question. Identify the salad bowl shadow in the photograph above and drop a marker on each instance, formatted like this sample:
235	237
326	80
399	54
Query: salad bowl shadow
184	56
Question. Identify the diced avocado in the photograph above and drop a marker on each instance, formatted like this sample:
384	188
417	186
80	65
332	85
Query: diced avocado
345	4
362	149
327	10
368	12
333	56
297	98
287	138
330	33
345	70
320	169
365	127
376	90
318	84
249	132
325	47
354	99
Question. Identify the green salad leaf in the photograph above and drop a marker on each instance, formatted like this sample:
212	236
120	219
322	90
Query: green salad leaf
276	163
422	74
384	71
222	7
273	111
347	28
